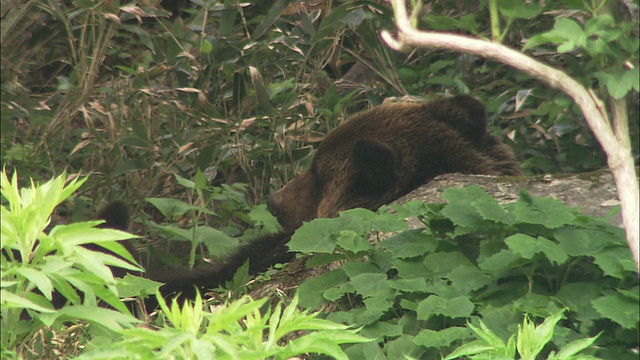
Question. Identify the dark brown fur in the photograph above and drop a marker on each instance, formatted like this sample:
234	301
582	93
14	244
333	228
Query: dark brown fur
384	153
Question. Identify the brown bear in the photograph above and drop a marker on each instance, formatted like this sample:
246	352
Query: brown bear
385	152
371	160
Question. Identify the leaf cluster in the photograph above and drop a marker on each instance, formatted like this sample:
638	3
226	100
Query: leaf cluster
54	281
416	289
238	330
53	277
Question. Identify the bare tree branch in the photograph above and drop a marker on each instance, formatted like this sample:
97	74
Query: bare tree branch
615	146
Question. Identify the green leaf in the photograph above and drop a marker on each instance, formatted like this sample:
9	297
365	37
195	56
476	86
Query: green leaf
218	243
487	336
531	339
618	308
409	243
468	278
528	247
371	285
577	297
410	268
311	291
579	242
545	38
436	305
622	82
318	236
443	262
490	209
544	211
518	9
409	285
505	259
350	241
615	261
571	349
571	30
40	279
173	209
206	47
110	319
472	348
132	285
431	338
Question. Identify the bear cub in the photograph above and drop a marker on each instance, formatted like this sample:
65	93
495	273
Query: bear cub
384	153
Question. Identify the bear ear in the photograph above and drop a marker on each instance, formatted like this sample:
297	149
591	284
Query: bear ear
374	163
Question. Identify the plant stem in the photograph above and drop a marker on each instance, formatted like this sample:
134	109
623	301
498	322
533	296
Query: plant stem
494	16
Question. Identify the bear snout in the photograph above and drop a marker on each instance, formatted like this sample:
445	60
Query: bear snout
273	207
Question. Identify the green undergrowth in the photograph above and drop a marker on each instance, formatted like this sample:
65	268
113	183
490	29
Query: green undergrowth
60	299
475	265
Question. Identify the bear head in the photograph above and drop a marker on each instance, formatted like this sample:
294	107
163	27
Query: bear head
385	152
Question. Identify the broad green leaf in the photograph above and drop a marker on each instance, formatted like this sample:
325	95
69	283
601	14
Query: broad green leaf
528	247
410	268
431	338
318	236
579	242
544	211
505	259
409	243
468	278
615	261
371	285
443	262
490	209
518	9
350	241
618	308
311	291
436	305
409	285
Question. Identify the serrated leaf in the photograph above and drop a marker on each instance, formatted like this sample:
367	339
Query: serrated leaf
311	291
319	234
431	338
615	261
443	262
618	308
409	285
436	305
468	278
544	211
503	260
371	285
579	242
528	247
409	243
350	241
490	209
